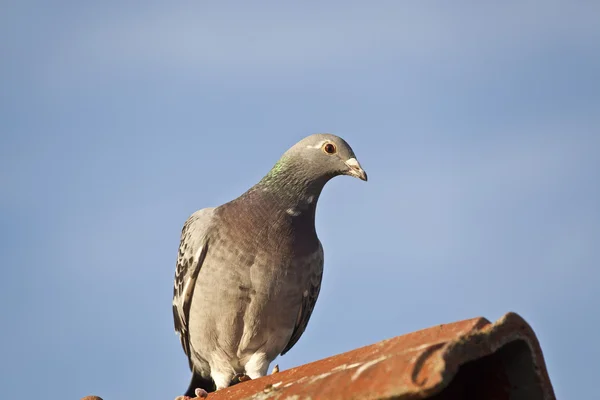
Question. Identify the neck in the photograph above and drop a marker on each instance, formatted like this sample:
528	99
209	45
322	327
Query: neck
280	209
292	189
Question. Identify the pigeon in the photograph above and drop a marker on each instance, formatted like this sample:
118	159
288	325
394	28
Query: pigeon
249	272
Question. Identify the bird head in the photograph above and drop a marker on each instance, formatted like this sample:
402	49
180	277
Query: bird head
325	155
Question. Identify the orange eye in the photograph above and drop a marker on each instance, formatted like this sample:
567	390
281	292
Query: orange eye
329	148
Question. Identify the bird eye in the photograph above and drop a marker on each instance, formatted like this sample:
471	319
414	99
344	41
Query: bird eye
329	148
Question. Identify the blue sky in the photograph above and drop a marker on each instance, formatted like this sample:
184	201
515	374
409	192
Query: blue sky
478	124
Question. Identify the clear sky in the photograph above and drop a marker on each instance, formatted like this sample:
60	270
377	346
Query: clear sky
479	127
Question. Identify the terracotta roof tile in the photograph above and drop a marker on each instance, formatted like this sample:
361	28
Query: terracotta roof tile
470	359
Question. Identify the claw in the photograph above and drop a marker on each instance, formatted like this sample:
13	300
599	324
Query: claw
239	378
275	369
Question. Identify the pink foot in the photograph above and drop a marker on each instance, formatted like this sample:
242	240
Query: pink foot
200	394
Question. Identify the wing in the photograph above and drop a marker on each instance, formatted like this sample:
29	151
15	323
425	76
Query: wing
192	252
309	300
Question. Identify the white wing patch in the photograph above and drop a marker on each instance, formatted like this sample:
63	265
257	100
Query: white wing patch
294	212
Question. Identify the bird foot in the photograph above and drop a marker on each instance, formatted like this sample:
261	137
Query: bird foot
200	394
239	378
275	369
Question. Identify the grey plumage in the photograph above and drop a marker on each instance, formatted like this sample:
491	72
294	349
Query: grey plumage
249	271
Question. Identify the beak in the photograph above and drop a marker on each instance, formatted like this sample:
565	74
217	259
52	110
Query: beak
354	169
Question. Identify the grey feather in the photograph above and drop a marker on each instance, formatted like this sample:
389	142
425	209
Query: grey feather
249	272
309	300
192	252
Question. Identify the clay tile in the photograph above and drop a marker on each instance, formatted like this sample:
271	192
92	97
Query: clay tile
471	359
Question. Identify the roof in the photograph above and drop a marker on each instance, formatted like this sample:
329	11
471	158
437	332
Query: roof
470	359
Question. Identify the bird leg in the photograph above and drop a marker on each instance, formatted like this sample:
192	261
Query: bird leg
275	369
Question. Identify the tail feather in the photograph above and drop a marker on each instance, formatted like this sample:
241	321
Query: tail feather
198	381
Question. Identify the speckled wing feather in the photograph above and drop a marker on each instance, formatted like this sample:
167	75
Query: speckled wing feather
192	252
309	300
